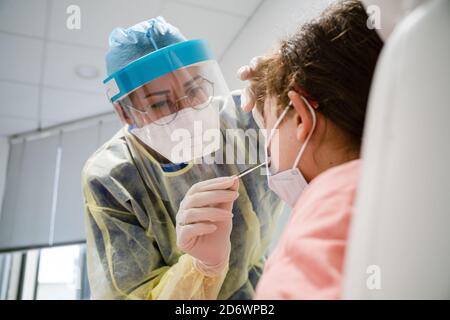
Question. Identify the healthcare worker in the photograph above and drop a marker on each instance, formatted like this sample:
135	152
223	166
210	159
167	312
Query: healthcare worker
315	105
166	217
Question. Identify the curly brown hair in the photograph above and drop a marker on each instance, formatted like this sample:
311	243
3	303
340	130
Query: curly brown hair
330	61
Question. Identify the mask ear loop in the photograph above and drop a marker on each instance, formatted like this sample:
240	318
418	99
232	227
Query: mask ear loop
272	133
125	103
277	123
302	149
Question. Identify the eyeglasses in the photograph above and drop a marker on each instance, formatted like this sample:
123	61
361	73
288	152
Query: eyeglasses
198	95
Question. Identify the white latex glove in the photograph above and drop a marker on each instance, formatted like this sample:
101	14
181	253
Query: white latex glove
245	73
204	223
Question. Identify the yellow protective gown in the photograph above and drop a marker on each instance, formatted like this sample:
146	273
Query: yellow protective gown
131	203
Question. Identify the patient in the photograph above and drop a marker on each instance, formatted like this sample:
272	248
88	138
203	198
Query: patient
311	96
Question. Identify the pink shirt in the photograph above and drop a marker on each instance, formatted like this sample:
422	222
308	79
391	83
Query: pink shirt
308	261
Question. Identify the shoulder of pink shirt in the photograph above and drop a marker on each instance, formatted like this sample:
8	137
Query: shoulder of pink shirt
339	180
311	249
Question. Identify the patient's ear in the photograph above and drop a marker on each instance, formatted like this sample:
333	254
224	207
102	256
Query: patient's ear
122	114
305	119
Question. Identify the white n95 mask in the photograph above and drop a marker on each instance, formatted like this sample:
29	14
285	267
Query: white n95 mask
189	136
288	184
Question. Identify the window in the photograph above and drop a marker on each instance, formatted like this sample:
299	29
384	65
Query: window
60	273
57	273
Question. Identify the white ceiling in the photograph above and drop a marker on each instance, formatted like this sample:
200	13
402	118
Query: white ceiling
39	54
273	21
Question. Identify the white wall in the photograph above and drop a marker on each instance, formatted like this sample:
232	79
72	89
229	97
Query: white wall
271	22
4	153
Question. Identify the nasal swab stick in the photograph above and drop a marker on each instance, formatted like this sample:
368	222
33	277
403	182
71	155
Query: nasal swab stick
248	170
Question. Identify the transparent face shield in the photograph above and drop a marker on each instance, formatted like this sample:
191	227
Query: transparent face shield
160	101
176	113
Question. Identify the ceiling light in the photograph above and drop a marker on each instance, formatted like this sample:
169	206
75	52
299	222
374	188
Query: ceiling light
87	72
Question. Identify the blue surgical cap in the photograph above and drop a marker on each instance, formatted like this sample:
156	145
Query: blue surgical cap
127	45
